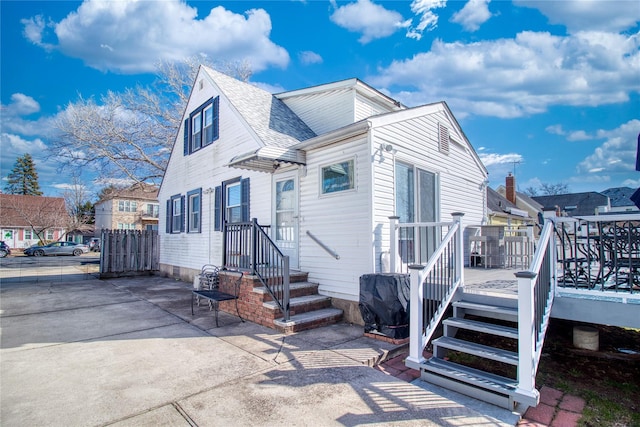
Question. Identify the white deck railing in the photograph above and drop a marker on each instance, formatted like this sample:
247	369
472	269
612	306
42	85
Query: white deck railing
434	282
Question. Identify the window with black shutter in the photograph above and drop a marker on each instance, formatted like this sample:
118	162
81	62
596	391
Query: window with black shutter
232	202
202	126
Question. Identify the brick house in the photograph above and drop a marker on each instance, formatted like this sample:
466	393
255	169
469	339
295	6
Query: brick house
132	208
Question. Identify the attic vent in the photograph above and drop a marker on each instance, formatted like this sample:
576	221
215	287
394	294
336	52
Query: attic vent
443	139
201	84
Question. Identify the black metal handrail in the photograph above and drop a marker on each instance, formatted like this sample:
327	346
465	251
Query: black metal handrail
247	246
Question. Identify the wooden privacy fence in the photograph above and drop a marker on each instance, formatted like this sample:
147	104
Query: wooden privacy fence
128	252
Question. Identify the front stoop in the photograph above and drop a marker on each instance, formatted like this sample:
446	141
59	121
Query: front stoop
308	309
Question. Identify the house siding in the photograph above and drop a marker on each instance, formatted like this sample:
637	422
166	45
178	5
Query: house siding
206	169
459	178
324	111
340	220
365	108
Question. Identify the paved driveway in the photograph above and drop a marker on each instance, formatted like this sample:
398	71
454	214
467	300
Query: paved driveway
127	352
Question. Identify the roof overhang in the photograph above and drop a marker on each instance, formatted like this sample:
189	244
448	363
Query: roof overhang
268	159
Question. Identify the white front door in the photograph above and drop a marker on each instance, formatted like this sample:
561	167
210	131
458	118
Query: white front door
285	215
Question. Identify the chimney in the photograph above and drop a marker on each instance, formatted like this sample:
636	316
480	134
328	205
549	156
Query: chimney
511	188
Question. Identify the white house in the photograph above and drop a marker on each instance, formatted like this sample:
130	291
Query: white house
325	167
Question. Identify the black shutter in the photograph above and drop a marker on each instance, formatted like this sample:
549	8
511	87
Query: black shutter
186	137
244	192
168	217
200	210
182	213
217	209
216	117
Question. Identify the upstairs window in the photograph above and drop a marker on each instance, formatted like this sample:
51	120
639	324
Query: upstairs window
201	128
127	206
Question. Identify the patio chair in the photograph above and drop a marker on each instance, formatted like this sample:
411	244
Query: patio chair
208	279
215	296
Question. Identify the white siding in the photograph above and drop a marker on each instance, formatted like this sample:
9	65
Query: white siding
324	111
341	220
365	108
206	169
415	141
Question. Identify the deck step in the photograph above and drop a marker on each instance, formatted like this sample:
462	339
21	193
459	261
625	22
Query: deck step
488	387
310	320
487	328
487	310
475	349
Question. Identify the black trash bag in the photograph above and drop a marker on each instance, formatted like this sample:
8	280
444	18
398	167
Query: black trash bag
384	304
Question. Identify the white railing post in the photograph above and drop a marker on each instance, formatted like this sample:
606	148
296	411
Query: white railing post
526	334
393	243
459	254
416	318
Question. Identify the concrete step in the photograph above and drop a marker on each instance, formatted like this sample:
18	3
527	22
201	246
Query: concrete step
301	304
460	308
296	289
473	325
474	349
309	320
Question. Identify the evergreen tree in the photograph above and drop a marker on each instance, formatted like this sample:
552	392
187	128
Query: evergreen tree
23	179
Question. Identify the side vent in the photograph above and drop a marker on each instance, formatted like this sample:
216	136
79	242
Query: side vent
201	84
443	139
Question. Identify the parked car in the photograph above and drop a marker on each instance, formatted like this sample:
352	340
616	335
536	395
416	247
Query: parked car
94	244
4	249
58	248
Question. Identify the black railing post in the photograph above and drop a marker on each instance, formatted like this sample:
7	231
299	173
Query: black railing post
254	244
224	244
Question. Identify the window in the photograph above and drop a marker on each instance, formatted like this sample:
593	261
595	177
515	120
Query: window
194	206
196	132
201	128
174	215
231	202
338	177
27	235
126	226
127	206
49	234
153	210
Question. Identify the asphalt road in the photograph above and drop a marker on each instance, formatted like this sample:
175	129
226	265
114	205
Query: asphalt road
17	268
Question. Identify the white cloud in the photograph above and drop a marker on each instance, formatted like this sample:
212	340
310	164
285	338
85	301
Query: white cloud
518	77
129	36
473	14
578	135
500	159
555	130
428	20
617	154
590	15
371	20
308	57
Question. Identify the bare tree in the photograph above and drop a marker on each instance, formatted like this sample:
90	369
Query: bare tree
79	207
130	134
554	189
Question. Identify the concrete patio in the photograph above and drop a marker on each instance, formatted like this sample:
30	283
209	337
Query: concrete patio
128	352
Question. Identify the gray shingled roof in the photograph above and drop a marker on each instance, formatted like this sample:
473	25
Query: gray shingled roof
496	202
619	196
574	204
272	121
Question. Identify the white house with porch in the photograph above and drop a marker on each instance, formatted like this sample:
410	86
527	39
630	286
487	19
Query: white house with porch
321	169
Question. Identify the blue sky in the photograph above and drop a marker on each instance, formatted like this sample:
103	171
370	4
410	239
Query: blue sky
549	90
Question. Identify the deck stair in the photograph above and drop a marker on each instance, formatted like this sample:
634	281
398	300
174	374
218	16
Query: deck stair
308	309
477	352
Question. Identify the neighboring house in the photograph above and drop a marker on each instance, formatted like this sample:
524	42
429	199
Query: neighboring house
502	212
520	200
575	204
22	218
132	208
334	161
620	199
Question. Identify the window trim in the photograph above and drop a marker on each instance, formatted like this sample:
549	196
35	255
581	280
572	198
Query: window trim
172	229
220	204
322	168
197	193
190	145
